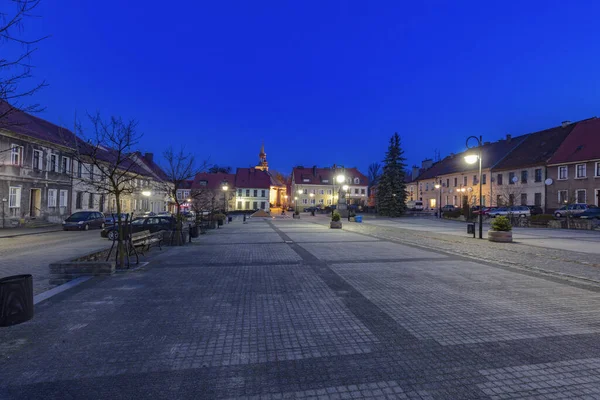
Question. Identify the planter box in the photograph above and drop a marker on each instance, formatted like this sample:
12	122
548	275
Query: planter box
335	224
500	236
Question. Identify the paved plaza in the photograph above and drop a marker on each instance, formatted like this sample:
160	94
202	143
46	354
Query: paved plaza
281	308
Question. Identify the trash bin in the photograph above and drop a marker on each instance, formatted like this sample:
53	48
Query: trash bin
16	299
471	229
358	218
194	231
229	219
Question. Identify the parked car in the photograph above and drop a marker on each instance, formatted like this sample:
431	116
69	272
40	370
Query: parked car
111	219
311	209
152	224
164	214
536	210
590	213
513	211
484	210
571	209
448	207
414	205
84	220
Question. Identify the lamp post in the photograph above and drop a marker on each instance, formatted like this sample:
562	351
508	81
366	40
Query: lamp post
439	187
342	204
4	201
298	202
225	187
472	158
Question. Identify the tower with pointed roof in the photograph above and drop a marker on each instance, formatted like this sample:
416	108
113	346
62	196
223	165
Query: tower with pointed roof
263	165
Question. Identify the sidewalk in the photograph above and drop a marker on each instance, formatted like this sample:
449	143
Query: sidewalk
15	232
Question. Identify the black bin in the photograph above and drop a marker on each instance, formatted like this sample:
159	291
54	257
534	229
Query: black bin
471	229
229	219
194	231
16	299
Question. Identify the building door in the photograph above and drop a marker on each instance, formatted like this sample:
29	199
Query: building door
35	203
598	197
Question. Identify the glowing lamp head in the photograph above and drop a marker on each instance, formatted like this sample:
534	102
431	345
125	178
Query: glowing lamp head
471	158
147	193
345	187
340	178
437	186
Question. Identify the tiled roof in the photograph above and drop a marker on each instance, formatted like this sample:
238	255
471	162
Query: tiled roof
252	178
154	167
212	181
582	144
537	148
325	176
492	154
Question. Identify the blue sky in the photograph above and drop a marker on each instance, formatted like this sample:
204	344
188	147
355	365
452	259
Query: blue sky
319	82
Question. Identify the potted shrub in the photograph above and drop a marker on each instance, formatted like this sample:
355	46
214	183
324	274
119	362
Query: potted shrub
501	230
335	221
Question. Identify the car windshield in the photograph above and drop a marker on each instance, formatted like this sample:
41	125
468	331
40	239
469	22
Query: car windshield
79	216
139	221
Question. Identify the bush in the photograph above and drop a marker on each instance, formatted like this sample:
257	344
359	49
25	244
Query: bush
452	214
336	216
542	218
501	224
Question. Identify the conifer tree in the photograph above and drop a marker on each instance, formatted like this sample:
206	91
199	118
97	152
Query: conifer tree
391	190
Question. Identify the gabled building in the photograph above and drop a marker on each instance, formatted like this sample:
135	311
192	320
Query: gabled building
252	189
319	186
207	192
574	169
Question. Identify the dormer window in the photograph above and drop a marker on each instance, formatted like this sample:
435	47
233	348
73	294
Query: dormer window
356	181
203	183
305	180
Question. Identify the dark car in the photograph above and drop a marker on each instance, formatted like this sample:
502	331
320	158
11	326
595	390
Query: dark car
152	224
111	219
590	213
310	209
84	220
448	207
536	210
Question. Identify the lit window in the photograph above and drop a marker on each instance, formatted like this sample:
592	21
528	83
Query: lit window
14	197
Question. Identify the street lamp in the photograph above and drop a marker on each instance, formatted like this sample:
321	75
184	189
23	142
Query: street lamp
439	187
298	202
471	158
225	187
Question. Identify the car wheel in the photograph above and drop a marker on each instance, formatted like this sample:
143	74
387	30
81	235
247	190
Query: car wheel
102	225
86	227
557	215
522	215
113	235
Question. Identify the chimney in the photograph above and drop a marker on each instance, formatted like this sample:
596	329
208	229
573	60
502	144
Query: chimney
451	155
508	137
415	172
427	163
149	156
314	170
565	123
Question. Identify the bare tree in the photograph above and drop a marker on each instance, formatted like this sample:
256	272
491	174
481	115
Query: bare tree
179	168
374	174
15	70
216	169
107	165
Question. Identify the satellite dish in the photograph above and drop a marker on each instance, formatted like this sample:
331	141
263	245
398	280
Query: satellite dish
515	179
470	189
548	181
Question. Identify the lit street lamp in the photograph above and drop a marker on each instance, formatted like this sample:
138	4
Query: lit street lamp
225	187
439	187
471	158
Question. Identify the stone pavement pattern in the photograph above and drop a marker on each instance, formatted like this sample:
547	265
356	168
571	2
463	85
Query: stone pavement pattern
290	309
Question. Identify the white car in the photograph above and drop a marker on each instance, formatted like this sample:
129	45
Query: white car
514	211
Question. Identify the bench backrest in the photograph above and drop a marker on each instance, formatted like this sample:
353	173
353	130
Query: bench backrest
140	235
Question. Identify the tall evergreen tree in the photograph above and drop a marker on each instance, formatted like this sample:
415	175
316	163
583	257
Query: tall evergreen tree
391	191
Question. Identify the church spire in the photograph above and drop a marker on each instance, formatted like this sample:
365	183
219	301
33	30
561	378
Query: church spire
262	159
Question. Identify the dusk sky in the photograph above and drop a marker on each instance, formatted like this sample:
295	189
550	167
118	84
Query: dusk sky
319	82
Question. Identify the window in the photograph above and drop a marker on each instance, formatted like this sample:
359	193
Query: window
597	174
255	193
329	191
101	203
247	192
64	165
305	180
304	201
537	199
356	181
355	191
247	205
305	191
51	197
580	171
91	201
14	197
320	201
16	155
455	182
37	159
262	193
448	182
325	180
499	179
63	198
255	205
581	196
563	196
52	167
179	195
563	172
524	176
427	187
538	175
498	200
135	204
464	181
523	199
474	179
362	191
321	191
78	197
312	201
329	201
511	176
483	179
239	205
262	205
91	170
511	199
455	198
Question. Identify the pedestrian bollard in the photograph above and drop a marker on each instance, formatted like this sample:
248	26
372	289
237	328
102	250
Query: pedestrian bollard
190	232
244	217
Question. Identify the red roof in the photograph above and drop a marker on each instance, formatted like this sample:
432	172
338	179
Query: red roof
205	180
325	176
582	144
252	178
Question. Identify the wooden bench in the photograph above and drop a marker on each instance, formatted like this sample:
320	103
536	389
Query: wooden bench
145	239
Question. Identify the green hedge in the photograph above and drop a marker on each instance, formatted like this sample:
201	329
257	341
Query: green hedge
452	214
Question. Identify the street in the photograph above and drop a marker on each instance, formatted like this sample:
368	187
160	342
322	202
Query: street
31	254
281	308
